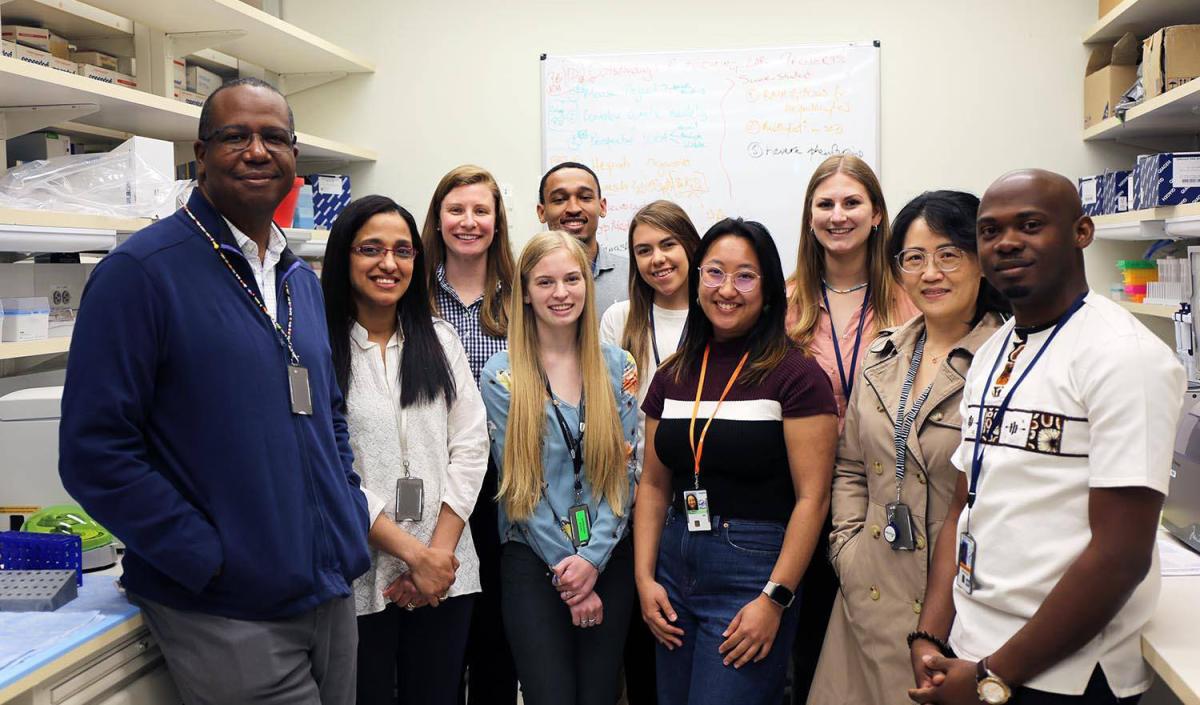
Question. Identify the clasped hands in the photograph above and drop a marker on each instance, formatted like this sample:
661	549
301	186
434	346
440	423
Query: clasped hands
428	580
575	579
941	680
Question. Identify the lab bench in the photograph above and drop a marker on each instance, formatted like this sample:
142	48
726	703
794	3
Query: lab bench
110	660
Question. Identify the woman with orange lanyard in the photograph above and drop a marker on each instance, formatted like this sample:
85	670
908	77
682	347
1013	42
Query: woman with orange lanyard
841	294
720	544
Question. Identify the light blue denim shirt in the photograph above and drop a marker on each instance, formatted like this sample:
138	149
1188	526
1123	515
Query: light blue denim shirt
543	531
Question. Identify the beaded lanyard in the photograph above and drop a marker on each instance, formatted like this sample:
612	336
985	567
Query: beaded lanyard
285	335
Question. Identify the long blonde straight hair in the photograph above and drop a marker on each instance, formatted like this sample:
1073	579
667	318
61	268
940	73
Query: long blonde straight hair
669	218
497	289
805	299
604	451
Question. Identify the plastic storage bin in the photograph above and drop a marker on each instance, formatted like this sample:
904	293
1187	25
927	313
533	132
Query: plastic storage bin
20	550
25	319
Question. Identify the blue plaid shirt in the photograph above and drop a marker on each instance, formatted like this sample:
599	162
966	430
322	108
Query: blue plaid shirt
465	318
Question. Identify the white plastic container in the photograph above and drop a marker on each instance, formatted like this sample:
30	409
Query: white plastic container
25	319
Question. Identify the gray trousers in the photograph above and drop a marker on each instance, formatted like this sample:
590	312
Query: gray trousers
309	659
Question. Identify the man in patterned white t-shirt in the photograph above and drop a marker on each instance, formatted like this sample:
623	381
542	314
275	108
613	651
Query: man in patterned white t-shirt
1045	570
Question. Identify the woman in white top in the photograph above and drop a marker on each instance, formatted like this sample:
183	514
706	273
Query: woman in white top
419	434
662	244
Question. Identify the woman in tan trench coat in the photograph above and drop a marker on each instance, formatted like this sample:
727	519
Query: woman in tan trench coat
865	658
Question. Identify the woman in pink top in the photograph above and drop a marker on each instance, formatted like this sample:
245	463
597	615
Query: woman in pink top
841	294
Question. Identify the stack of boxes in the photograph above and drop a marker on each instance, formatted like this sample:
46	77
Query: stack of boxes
42	47
194	83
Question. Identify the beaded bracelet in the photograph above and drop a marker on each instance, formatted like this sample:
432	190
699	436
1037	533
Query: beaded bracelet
942	646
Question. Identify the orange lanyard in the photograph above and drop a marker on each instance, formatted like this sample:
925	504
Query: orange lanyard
698	448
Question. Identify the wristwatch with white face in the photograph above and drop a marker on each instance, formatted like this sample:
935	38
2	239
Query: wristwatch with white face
779	594
990	688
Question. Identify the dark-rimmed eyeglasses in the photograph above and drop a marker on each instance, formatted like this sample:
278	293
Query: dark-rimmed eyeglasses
377	251
946	258
714	277
238	139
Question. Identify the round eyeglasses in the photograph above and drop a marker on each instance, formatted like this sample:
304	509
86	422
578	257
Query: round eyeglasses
714	277
946	258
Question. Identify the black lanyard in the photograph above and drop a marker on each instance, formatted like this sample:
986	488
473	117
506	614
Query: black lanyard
847	382
574	443
979	448
904	421
654	339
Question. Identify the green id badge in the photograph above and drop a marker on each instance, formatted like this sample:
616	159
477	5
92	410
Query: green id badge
581	525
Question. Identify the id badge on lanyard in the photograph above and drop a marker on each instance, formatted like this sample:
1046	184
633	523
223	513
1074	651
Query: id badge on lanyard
696	500
696	503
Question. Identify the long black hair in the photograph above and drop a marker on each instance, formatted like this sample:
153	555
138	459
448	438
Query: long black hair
951	214
424	370
768	338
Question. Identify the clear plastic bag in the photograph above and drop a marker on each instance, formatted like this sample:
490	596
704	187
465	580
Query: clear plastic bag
118	183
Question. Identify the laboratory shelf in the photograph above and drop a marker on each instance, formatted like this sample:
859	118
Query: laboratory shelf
59	219
1140	17
1174	113
1155	310
67	18
33	348
128	110
1150	224
267	41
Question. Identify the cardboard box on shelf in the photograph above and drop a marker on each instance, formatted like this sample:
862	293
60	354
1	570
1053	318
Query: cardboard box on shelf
106	76
7	48
1115	194
1166	179
1111	70
331	193
180	70
188	97
37	145
1106	6
1089	193
31	55
96	58
38	38
201	80
64	65
1170	58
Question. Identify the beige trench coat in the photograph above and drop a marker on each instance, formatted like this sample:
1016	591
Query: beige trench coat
864	660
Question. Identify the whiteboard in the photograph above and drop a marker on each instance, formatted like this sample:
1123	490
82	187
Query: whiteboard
721	133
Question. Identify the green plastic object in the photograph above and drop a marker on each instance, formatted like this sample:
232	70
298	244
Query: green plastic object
69	519
1136	264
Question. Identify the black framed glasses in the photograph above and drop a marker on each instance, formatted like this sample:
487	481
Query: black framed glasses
714	277
378	251
946	258
239	139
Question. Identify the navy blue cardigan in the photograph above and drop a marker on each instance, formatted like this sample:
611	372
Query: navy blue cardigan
177	432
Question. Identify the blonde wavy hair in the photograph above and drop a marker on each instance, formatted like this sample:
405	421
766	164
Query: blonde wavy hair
497	287
604	441
806	281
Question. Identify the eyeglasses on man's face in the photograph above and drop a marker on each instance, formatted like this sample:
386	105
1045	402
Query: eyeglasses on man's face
946	258
378	251
239	139
714	277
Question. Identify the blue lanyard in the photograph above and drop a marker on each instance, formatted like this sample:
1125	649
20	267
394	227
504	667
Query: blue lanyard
847	382
978	450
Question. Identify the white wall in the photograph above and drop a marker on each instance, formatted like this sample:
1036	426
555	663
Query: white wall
971	88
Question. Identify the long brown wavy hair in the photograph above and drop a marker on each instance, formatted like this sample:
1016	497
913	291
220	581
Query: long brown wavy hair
806	281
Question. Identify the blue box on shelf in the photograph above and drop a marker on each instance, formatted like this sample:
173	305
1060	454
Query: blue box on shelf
1166	179
1090	189
331	193
22	550
1115	194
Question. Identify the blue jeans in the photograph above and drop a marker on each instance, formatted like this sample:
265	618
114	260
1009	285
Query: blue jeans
709	576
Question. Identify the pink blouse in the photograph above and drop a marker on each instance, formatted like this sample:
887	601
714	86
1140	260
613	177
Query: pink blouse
822	345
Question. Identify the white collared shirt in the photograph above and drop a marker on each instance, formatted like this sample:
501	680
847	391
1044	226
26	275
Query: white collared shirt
447	449
266	266
1099	409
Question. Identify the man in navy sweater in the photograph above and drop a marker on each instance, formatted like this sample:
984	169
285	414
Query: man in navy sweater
201	424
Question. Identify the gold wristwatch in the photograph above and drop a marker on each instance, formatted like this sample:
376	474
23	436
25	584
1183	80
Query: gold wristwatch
990	688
